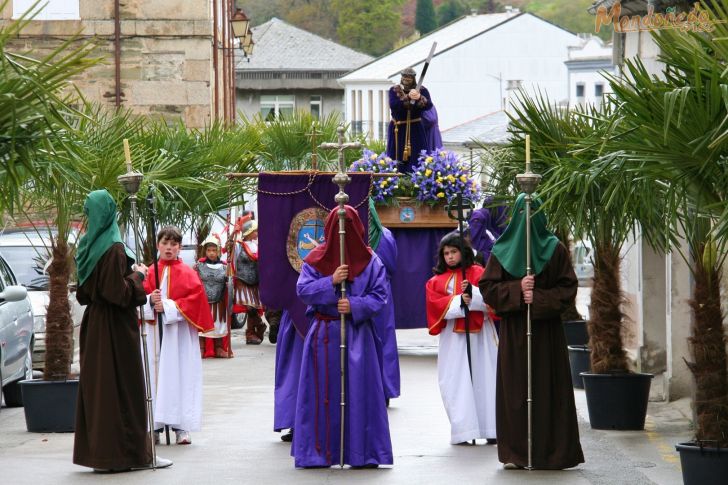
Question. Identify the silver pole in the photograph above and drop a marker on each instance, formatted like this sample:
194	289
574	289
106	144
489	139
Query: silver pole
528	182
341	179
131	181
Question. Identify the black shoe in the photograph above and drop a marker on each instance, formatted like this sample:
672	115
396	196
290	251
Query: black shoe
273	334
491	441
368	465
288	437
387	401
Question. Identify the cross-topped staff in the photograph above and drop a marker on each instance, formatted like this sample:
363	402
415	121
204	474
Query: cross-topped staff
460	210
131	181
341	179
528	182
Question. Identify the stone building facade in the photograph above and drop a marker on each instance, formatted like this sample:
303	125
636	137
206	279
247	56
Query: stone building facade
164	52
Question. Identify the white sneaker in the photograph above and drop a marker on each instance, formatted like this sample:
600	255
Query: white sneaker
183	437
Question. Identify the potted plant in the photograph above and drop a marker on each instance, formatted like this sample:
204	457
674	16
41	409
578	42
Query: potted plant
36	118
565	143
685	124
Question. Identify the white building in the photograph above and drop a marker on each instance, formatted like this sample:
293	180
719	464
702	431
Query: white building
586	65
477	58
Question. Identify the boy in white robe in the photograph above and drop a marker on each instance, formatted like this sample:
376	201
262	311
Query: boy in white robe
180	305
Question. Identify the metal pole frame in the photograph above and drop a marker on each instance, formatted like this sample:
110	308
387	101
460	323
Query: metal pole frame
131	181
528	182
341	179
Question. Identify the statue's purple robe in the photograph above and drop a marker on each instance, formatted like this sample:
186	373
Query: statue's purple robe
384	320
316	430
486	225
432	129
418	135
289	349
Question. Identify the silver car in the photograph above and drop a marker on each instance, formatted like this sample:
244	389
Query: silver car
28	254
16	336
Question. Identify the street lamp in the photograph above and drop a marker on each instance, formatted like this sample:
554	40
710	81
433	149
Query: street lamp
248	49
240	24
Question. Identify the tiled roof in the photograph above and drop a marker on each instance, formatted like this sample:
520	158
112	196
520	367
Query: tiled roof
283	47
415	53
491	129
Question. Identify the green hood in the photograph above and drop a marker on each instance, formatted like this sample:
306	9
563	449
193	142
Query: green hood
510	248
101	233
375	226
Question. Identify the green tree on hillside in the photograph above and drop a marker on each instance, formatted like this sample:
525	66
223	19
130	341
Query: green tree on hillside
572	15
425	21
313	16
451	10
371	27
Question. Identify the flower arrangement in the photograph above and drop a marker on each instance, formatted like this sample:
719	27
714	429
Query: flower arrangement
384	187
440	176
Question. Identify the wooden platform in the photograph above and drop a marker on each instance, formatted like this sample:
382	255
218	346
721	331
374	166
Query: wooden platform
411	213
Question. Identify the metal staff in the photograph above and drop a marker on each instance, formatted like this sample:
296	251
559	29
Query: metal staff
528	182
152	208
459	213
131	181
341	179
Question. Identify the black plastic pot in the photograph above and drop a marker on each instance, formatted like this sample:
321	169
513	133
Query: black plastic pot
703	465
579	362
617	401
576	332
50	406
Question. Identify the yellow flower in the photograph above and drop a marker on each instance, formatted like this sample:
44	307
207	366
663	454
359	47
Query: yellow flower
439	179
382	162
441	194
428	160
383	183
463	178
451	178
428	172
373	156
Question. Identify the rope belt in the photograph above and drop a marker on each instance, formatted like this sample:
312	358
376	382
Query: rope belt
405	121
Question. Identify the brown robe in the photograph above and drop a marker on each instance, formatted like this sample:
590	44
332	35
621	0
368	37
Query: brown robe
555	432
111	415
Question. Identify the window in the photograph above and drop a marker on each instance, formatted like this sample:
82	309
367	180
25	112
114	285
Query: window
580	90
49	9
272	107
598	90
316	105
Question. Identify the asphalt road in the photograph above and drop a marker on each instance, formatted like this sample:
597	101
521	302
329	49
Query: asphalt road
237	444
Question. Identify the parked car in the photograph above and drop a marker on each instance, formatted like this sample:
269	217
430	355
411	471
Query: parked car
583	263
16	336
28	254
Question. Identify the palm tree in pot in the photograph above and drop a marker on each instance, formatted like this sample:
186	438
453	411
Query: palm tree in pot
675	132
565	143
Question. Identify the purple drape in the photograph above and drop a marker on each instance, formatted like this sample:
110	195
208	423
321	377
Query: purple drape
416	255
432	129
280	197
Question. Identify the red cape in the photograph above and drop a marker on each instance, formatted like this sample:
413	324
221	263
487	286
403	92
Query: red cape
438	300
185	288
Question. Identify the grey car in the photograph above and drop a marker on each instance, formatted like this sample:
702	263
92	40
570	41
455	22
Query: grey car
27	253
16	336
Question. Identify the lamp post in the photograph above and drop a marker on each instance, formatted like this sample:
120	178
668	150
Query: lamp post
239	27
240	24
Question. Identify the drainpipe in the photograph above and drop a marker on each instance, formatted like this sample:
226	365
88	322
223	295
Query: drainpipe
117	55
215	59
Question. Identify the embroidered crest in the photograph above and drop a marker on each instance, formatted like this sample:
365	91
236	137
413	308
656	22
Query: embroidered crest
306	232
